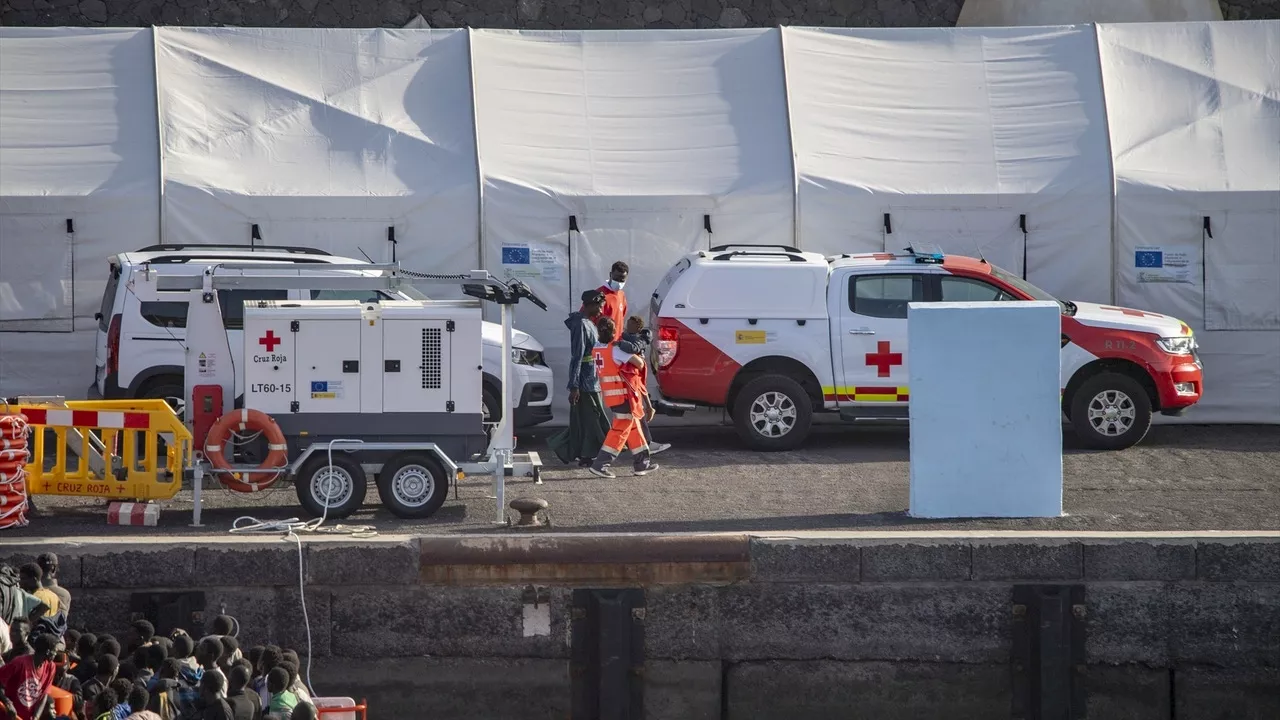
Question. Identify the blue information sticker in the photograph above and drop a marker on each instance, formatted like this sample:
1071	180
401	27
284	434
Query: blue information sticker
319	386
515	255
1148	259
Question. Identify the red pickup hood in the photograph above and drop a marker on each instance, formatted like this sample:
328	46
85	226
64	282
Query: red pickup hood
1118	318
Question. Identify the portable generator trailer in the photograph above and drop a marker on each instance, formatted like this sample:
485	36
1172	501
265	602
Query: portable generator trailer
344	390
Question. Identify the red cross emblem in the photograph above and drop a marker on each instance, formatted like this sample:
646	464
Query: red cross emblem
269	341
883	359
599	361
1131	313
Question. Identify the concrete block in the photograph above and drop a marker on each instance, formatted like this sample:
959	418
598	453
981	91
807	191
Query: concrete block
932	622
1127	623
867	690
682	622
1126	692
1161	624
68	560
986	412
1239	560
450	688
1205	693
793	560
1143	560
1027	560
274	615
100	611
1225	624
247	565
918	560
364	563
428	620
140	566
684	690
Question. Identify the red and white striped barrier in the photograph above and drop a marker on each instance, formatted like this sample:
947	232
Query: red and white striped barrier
112	419
133	513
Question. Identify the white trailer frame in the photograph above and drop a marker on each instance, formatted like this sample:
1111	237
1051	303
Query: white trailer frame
206	336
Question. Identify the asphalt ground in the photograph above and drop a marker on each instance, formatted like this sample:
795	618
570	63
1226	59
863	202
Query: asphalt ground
1182	477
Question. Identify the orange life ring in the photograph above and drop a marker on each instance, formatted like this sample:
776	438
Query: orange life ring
245	420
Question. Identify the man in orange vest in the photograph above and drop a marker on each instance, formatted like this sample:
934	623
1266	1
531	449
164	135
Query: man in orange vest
615	300
624	396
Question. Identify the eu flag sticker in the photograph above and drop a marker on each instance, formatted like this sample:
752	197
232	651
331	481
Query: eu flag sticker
1148	259
319	386
515	255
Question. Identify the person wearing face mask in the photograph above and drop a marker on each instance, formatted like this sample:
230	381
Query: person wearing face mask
615	300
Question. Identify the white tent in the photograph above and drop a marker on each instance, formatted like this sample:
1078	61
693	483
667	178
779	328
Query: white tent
958	137
79	168
643	138
323	138
79	181
1194	114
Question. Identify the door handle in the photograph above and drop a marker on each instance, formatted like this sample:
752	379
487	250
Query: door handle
862	331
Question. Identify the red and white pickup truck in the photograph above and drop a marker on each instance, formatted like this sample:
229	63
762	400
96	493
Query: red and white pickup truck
774	335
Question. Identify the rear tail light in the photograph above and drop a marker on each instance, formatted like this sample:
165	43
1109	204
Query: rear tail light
668	345
113	346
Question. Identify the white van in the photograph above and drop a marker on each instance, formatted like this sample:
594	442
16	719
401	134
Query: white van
139	352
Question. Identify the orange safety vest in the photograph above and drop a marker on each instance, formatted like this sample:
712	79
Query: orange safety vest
615	388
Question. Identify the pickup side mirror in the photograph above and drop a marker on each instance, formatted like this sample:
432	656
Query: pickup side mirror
97	316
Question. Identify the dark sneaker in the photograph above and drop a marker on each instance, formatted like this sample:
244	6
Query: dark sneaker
603	471
585	462
646	468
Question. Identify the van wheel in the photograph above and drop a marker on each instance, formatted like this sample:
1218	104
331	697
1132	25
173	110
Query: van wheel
490	406
169	388
773	412
1110	411
341	487
413	485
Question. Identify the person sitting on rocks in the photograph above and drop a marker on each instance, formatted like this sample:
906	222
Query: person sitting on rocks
19	631
295	673
213	690
102	706
139	700
48	563
245	704
105	668
282	700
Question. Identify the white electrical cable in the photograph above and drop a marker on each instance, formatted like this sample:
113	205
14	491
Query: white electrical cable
291	527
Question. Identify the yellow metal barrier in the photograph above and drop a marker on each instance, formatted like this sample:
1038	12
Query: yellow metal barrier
116	446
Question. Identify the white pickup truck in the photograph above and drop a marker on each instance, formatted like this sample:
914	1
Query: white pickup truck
774	335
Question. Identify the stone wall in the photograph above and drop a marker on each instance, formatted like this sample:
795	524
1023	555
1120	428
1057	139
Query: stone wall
734	627
532	14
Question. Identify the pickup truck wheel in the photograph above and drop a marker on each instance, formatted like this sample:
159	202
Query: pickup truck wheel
773	412
1110	411
341	487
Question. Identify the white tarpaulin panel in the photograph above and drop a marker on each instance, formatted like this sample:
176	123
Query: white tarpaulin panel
1194	114
322	138
643	138
951	136
79	168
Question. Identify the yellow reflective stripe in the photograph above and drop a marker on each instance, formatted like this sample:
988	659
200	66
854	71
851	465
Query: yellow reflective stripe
858	393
